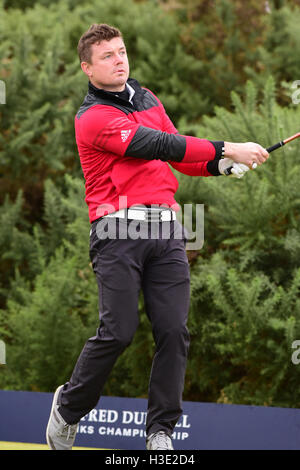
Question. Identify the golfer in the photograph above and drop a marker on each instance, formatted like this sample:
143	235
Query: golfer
127	143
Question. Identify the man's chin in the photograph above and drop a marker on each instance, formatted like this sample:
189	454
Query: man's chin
119	85
121	79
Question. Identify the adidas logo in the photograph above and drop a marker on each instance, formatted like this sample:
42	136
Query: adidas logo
125	135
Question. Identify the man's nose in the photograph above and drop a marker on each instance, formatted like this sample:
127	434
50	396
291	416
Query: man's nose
118	58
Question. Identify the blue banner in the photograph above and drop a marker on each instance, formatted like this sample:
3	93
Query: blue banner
119	423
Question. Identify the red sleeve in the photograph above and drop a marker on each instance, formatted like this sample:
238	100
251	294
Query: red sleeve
192	169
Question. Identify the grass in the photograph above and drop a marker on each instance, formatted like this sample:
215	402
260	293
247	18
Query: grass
27	446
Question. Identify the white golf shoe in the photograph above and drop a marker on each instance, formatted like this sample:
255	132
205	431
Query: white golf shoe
159	441
60	435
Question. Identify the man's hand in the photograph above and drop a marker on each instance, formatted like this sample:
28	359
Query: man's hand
237	169
247	153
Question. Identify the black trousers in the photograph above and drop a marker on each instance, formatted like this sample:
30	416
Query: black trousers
156	263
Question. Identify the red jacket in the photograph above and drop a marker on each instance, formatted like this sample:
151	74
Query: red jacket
125	150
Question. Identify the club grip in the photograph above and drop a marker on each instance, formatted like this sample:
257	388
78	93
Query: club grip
227	172
275	146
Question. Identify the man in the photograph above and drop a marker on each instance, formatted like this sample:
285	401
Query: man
126	143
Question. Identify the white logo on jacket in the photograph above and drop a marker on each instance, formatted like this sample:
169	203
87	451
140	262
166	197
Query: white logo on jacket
125	135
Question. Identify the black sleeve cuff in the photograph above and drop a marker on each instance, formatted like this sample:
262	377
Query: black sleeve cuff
219	147
213	165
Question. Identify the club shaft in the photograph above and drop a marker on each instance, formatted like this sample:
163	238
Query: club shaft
283	142
293	137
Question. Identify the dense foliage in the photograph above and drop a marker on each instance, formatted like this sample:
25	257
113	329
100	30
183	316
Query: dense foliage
198	57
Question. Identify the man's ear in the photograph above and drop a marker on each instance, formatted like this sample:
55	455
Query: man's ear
86	68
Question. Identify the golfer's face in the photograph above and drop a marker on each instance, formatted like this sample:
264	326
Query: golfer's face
109	68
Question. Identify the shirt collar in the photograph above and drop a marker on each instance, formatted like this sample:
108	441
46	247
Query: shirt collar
131	92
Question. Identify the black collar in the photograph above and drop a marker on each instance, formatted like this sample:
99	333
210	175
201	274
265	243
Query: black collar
111	96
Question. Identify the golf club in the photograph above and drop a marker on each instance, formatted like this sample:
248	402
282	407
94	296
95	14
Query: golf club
269	150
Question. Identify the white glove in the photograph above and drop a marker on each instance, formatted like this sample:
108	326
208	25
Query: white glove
238	169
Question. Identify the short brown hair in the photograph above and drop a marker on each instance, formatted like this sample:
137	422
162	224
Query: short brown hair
94	35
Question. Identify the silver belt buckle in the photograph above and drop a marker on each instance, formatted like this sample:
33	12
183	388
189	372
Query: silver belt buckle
157	215
152	216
